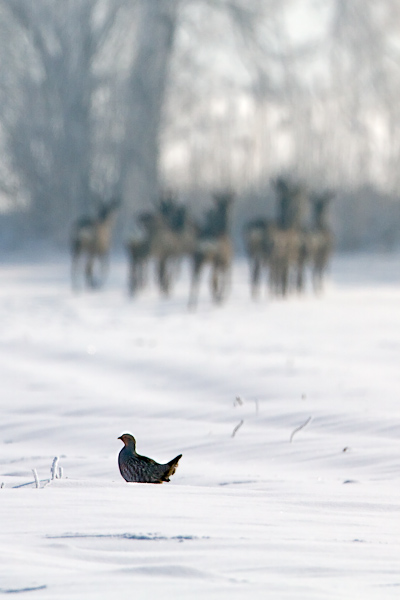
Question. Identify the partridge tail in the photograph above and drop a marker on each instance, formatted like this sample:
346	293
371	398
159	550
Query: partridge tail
171	467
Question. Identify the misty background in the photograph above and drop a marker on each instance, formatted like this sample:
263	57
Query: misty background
125	98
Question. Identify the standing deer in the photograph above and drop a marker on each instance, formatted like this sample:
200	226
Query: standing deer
175	240
287	236
138	249
213	247
322	236
91	238
316	242
258	240
168	235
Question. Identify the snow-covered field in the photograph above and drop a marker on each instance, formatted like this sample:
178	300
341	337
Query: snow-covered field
250	515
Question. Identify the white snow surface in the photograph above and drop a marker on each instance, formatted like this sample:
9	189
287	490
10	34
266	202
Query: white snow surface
250	515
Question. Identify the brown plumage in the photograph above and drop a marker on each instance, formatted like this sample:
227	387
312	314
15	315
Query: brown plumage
134	467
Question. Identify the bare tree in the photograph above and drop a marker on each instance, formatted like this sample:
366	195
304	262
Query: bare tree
50	135
118	96
145	100
160	23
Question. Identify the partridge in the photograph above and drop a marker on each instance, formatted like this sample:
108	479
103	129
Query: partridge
134	467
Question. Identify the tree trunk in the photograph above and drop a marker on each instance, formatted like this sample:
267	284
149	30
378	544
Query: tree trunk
146	93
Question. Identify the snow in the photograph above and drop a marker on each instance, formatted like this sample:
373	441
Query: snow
249	513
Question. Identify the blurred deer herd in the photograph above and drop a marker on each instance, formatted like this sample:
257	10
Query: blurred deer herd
283	252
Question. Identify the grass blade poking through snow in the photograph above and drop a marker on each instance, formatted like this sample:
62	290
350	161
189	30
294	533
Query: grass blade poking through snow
237	428
53	470
36	478
299	427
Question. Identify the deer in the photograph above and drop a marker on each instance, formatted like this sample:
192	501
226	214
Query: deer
91	240
169	235
213	247
286	237
322	238
258	237
138	249
175	239
316	242
277	246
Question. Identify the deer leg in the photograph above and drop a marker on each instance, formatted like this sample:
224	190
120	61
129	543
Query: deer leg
75	269
272	277
104	266
255	277
163	275
143	273
284	283
316	281
133	277
220	281
195	281
317	278
215	283
136	277
300	277
276	274
276	277
90	282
